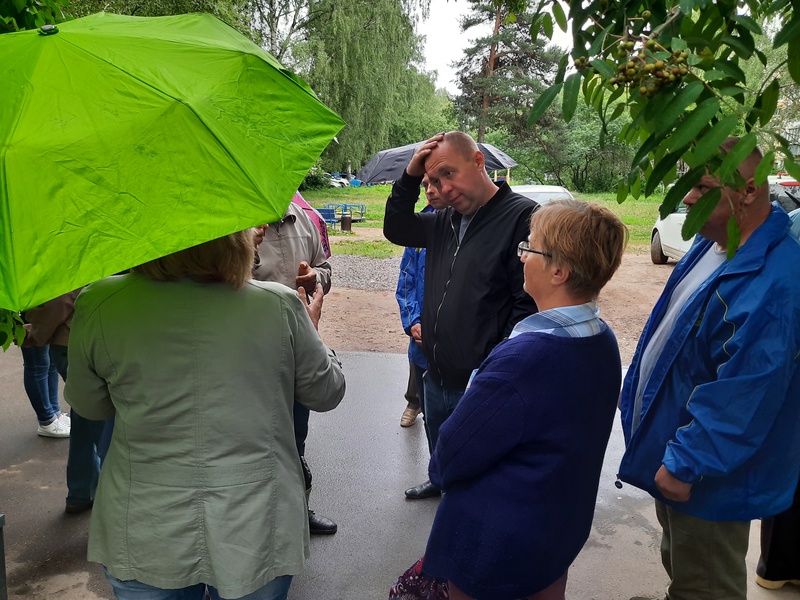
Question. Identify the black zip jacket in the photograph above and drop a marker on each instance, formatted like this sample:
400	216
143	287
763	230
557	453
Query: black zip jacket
473	290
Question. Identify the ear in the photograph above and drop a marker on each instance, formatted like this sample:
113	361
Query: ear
559	275
479	159
750	191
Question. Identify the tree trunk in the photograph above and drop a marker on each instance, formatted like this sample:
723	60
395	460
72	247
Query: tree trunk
498	20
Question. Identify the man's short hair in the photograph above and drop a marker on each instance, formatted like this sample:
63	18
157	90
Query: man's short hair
586	238
462	143
228	259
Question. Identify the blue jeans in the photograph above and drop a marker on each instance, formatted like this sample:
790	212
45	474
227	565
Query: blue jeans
301	415
40	379
277	589
438	404
83	465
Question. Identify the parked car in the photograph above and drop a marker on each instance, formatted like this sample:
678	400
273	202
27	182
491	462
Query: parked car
543	194
785	190
666	241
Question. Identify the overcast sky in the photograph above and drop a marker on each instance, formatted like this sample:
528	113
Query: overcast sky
445	43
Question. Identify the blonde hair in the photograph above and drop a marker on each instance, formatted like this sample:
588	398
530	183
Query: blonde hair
228	259
586	238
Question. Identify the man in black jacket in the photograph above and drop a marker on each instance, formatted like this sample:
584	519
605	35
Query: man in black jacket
473	278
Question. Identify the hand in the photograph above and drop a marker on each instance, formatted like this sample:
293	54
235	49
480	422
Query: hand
672	488
416	168
258	235
306	278
313	306
416	333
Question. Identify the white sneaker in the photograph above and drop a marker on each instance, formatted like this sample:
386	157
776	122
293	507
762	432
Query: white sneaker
57	429
64	418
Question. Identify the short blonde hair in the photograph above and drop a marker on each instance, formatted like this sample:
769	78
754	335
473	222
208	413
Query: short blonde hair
586	238
228	259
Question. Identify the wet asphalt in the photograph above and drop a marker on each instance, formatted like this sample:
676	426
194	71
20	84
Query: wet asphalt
362	461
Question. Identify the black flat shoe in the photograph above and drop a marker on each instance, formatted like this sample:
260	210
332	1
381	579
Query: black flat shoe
75	509
423	490
320	525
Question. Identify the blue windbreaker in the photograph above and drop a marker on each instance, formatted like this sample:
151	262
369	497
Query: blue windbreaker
722	407
410	294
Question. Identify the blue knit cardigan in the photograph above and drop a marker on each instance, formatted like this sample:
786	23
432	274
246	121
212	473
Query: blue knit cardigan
519	461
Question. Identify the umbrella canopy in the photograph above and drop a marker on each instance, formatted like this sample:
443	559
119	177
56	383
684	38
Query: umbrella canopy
123	139
388	165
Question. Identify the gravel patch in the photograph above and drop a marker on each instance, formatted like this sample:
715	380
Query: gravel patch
364	273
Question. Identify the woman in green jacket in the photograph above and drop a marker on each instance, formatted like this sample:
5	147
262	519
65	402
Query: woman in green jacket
202	489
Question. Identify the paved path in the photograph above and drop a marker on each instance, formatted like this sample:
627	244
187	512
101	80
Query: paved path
362	461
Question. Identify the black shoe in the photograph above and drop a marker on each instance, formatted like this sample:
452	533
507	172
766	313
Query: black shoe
320	525
75	509
423	490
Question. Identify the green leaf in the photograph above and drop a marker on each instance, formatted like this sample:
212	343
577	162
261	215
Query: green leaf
678	191
738	44
562	69
5	340
603	68
761	57
622	192
700	212
558	13
687	6
618	110
792	167
769	101
731	69
543	102
764	168
19	332
690	127
708	145
736	156
790	31
570	101
636	186
598	42
547	26
793	58
715	75
679	44
734	237
647	146
747	23
660	171
676	108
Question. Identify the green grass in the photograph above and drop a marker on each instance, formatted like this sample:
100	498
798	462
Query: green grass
370	248
638	216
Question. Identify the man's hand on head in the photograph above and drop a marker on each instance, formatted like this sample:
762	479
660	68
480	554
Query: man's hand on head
416	168
671	487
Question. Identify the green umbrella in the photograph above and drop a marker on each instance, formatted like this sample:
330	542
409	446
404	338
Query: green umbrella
123	139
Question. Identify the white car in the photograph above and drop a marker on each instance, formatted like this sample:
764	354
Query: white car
666	241
542	194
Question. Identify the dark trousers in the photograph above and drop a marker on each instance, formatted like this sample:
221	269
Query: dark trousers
780	544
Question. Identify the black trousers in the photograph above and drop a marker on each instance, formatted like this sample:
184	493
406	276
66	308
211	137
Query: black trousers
780	544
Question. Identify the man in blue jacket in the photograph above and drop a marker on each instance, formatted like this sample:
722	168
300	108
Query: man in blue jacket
711	402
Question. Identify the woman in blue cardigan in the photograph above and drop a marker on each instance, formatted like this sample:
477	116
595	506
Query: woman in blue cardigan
519	460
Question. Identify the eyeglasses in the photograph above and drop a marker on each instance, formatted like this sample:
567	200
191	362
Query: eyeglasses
524	247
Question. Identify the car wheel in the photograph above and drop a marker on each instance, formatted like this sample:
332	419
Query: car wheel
656	253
